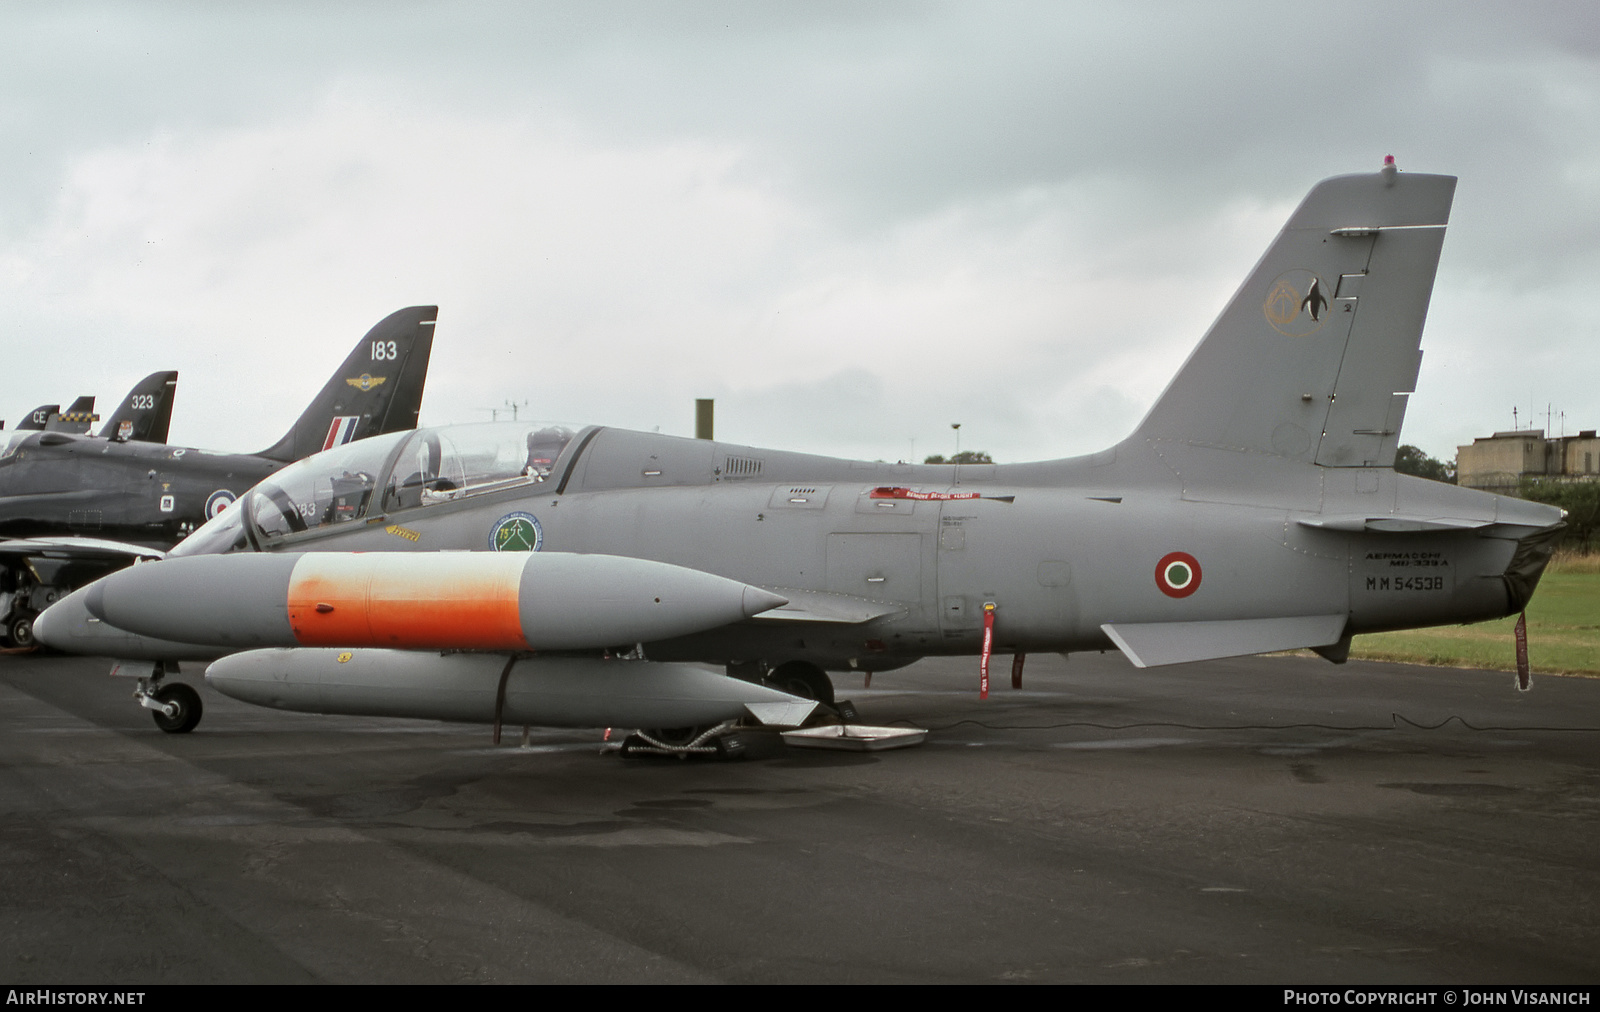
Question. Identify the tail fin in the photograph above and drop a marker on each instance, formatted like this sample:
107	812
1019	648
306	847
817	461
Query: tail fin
378	388
145	414
39	417
1314	357
75	419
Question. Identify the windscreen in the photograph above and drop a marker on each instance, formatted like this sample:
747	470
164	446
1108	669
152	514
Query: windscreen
222	533
331	487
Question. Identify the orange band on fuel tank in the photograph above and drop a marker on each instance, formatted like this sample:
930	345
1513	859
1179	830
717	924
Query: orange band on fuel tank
433	600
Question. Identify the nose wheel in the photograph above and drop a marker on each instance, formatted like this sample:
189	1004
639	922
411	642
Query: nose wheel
176	708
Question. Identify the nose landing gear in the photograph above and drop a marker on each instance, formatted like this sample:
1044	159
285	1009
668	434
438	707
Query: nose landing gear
176	708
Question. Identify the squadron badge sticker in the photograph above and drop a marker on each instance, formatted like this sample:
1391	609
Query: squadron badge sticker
1178	574
517	532
1297	304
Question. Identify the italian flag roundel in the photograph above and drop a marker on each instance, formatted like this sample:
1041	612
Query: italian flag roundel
1178	574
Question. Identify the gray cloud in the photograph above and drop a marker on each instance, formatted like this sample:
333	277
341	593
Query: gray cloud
1053	196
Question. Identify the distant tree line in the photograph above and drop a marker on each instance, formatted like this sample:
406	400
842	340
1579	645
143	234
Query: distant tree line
1581	500
1411	460
964	457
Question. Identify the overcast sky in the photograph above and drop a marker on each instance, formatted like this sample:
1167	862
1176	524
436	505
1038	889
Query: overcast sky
851	223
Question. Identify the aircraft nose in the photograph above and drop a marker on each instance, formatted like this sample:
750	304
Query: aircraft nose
757	601
53	627
71	626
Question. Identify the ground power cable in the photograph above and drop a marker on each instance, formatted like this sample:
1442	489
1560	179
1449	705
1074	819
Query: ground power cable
1396	720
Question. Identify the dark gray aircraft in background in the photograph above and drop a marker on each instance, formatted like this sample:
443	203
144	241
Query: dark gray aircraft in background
76	419
1255	508
39	417
76	506
145	415
50	417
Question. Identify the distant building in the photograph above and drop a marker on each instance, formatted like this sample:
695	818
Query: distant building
1500	462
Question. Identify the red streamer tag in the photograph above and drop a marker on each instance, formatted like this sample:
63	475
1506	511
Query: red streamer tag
1524	676
988	647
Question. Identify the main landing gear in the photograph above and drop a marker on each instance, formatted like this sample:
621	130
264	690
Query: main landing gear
803	679
19	630
725	740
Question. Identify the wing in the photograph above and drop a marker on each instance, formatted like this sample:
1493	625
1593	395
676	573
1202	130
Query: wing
78	549
822	606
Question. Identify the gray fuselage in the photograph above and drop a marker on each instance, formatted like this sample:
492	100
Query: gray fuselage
1061	548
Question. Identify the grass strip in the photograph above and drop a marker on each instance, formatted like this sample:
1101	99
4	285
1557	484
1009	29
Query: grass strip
1563	631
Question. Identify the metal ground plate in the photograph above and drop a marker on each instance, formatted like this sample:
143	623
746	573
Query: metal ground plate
855	737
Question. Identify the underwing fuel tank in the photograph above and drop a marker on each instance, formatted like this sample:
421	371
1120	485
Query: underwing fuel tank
420	601
543	691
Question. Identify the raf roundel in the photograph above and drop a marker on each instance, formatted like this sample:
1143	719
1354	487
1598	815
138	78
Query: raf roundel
218	501
1178	574
516	532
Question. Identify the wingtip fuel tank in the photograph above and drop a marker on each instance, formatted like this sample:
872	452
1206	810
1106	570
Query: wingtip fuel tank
419	601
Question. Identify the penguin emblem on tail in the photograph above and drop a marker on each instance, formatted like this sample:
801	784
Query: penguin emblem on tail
1297	303
1315	302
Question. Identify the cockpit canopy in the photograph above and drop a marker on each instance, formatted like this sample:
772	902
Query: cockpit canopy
11	441
383	474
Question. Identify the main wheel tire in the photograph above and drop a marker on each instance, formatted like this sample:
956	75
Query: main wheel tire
189	709
676	737
20	630
803	679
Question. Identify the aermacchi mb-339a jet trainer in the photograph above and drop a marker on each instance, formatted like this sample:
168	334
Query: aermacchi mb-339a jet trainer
74	506
560	576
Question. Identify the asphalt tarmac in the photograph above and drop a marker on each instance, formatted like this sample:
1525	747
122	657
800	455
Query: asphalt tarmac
1259	820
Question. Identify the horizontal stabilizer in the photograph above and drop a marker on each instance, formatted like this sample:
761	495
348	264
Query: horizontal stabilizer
821	606
76	419
1393	523
1152	644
